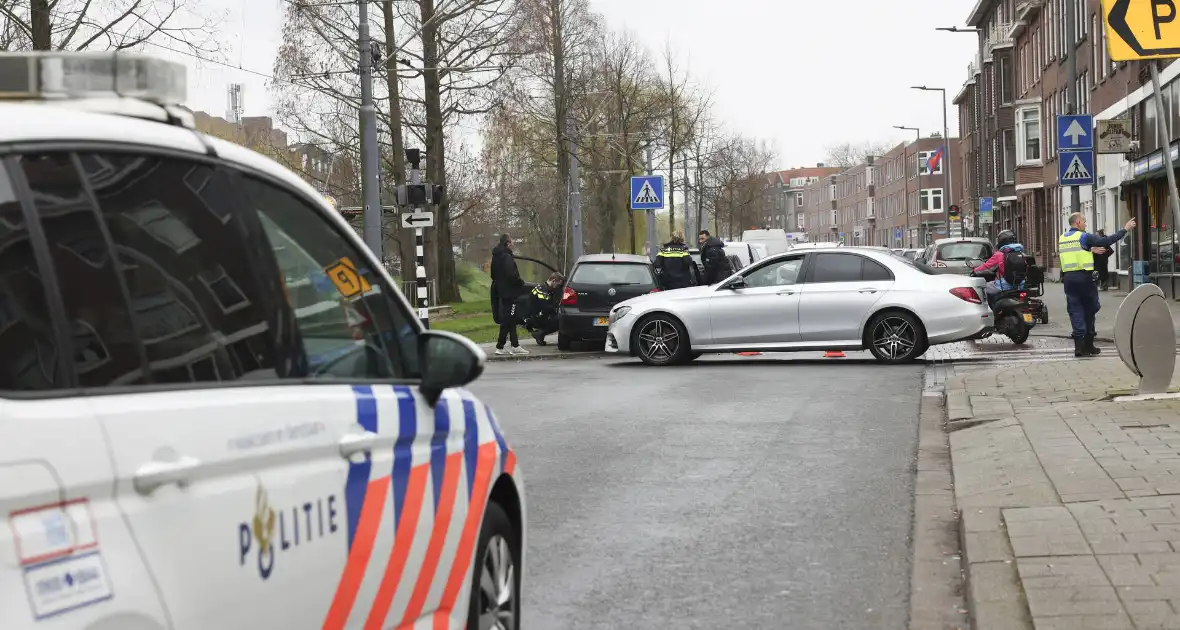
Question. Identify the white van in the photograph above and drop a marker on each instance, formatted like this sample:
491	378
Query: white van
775	240
748	253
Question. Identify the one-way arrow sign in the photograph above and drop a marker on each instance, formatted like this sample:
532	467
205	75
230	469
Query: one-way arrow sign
1142	29
417	219
1074	132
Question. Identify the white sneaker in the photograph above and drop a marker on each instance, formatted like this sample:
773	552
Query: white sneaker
503	352
518	350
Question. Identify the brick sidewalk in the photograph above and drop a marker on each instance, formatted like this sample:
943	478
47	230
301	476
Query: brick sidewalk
1070	504
1058	325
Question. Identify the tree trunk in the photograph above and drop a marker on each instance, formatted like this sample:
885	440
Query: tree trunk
560	98
405	237
39	16
444	263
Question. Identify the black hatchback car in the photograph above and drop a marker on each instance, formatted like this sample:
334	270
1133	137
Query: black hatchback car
595	285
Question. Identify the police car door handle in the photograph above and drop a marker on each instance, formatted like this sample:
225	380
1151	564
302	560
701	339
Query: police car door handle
152	475
786	292
868	290
354	443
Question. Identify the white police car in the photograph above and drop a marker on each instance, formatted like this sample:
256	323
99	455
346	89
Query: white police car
215	409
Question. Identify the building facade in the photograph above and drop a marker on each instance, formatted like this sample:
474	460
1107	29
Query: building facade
892	200
785	203
1021	76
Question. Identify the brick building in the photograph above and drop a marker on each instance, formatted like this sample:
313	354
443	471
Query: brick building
1007	111
892	200
786	189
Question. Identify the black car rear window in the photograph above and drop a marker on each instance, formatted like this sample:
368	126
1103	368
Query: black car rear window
614	273
964	251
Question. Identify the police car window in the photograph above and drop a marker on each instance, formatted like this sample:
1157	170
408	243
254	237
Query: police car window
196	305
873	270
350	326
104	349
27	342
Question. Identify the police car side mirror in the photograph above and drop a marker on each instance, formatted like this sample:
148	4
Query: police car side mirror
448	360
736	283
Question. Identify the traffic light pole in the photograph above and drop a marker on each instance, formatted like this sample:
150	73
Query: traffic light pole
369	158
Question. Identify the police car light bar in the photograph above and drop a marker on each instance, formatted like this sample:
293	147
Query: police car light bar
75	75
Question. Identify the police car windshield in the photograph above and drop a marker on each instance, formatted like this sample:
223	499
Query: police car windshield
616	273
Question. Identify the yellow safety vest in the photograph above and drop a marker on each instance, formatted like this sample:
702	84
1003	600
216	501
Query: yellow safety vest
1071	254
672	253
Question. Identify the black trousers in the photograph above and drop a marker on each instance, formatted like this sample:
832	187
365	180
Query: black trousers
507	312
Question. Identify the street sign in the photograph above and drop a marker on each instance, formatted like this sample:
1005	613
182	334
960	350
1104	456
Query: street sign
647	192
956	213
347	278
418	219
985	210
897	234
1114	136
1077	168
1141	29
1075	132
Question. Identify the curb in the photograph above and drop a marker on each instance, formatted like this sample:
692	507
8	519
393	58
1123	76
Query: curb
937	581
1101	338
560	356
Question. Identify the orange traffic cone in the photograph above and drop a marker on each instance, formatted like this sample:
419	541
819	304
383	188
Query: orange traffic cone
748	354
833	354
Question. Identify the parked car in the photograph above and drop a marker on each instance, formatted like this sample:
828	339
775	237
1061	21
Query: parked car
846	298
734	260
951	255
595	285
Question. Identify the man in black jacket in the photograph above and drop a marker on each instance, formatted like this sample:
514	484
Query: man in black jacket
506	288
674	266
713	258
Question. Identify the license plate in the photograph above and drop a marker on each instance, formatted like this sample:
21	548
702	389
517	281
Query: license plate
601	321
1028	317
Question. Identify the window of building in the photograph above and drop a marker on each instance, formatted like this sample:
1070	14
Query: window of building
832	192
1009	143
931	200
799	199
1028	136
923	163
1004	66
350	324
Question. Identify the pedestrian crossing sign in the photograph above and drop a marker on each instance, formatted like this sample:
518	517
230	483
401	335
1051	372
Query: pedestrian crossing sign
1077	168
647	192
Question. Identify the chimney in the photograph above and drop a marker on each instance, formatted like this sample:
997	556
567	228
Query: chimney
819	165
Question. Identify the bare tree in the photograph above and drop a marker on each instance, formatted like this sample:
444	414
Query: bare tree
107	25
849	154
685	111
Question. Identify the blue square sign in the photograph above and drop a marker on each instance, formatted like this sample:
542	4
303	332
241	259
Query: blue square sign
1075	133
1076	168
647	192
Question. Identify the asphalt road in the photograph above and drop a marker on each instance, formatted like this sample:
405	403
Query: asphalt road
733	493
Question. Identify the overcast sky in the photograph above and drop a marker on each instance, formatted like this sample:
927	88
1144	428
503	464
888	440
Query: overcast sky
800	74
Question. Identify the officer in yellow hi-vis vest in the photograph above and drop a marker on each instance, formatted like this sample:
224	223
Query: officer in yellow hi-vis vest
674	266
1076	249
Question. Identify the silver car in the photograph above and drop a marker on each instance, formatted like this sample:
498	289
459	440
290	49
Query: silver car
845	298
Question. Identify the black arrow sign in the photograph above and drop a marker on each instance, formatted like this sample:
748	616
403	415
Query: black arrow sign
1118	22
414	220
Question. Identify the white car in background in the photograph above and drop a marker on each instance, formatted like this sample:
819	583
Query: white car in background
845	298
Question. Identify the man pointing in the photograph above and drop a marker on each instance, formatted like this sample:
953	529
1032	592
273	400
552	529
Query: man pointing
1076	250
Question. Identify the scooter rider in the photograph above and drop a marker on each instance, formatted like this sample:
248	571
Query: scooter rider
1009	263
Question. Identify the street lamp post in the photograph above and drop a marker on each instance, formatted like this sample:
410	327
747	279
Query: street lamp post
906	173
947	198
978	114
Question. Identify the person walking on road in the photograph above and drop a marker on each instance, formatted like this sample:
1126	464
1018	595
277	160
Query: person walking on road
506	288
1077	250
713	258
1101	265
674	266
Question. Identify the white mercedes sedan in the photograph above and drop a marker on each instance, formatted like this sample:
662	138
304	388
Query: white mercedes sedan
846	298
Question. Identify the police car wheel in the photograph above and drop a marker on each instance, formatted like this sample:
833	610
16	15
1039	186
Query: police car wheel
495	579
895	337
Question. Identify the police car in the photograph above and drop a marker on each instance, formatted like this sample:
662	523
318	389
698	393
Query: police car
215	409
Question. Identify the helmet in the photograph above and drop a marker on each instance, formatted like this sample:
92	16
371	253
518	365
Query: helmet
1007	237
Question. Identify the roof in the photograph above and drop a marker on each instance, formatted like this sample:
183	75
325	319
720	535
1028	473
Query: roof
64	121
621	258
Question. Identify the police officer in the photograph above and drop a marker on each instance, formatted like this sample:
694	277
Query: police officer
1076	250
674	266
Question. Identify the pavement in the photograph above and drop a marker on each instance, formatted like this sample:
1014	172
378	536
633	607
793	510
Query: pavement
1058	325
737	492
1069	501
